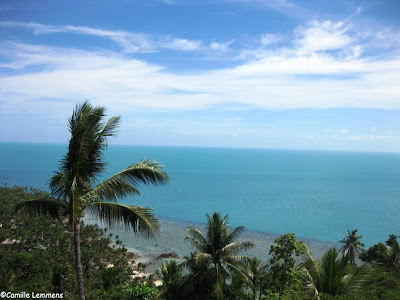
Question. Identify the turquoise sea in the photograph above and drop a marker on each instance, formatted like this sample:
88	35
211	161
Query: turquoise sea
318	195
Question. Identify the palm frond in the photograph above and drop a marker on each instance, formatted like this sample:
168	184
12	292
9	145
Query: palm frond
126	181
86	145
313	268
60	185
89	144
110	127
42	206
197	239
83	160
236	259
355	280
217	230
235	247
138	219
309	282
232	268
202	258
234	235
169	272
97	142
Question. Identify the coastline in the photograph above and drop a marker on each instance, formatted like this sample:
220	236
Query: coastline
172	240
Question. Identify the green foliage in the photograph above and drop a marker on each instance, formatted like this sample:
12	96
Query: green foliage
43	262
171	276
198	284
352	245
257	274
332	275
380	284
219	249
283	274
142	292
79	170
387	256
43	259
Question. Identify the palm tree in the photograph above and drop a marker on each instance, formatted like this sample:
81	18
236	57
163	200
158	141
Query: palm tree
199	282
352	245
78	171
219	249
256	273
171	276
331	275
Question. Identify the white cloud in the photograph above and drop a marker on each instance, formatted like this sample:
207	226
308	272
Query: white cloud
322	36
221	47
267	39
305	76
181	44
130	42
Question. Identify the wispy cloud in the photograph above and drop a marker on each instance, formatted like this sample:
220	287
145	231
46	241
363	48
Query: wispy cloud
221	47
128	41
322	36
391	139
322	67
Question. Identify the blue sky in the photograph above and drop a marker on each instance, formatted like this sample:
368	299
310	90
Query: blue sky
222	73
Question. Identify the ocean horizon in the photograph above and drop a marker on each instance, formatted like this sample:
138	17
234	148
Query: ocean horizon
318	195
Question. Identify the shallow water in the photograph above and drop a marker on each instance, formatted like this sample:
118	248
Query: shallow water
172	239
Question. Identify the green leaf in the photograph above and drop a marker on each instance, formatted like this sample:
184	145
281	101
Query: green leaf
138	219
42	206
125	182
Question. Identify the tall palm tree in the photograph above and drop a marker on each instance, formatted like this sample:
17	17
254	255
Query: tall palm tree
352	245
219	249
330	275
78	171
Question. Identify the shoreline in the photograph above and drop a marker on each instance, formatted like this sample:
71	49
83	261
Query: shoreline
171	240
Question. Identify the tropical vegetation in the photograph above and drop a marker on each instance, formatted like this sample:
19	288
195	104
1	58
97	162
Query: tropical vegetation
73	184
219	249
52	250
39	256
352	245
331	275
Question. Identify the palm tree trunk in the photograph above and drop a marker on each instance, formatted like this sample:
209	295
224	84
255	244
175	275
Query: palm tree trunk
78	264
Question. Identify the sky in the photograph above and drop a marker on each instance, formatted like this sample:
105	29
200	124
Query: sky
282	74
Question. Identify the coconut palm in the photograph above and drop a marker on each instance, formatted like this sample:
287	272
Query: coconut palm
170	273
331	275
199	282
74	182
352	245
256	272
219	249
